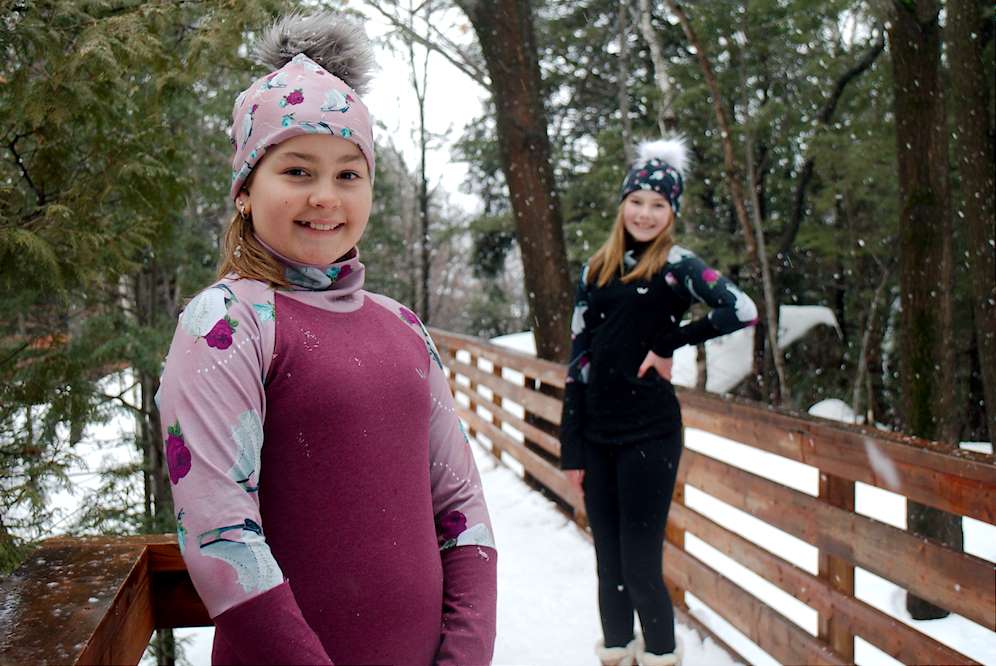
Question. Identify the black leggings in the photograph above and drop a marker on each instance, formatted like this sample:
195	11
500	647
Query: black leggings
627	493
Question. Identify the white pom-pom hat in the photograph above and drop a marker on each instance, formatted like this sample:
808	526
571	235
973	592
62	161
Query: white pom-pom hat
659	167
318	63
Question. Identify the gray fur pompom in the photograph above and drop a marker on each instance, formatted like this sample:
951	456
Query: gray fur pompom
669	149
340	46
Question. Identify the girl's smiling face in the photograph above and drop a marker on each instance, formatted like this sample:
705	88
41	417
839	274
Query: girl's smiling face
310	198
646	214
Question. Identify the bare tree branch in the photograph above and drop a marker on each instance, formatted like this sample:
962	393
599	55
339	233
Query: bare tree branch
444	47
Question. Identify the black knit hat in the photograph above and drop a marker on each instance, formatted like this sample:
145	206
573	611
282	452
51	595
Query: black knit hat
659	168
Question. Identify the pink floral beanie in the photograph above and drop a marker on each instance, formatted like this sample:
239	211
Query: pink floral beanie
320	64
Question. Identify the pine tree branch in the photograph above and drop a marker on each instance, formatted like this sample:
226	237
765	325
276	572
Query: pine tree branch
12	146
825	116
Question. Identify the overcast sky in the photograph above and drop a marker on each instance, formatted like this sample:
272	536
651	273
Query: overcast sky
453	100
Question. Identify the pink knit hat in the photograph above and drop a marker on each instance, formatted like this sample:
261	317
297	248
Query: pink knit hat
314	61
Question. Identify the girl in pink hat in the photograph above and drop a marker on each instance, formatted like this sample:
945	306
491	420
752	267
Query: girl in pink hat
328	506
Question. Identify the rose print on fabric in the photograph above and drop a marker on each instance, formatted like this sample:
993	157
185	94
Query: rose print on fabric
670	279
345	132
336	273
710	276
207	317
452	525
247	434
177	454
244	548
293	98
220	335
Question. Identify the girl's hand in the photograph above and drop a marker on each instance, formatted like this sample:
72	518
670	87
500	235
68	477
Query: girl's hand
659	363
576	477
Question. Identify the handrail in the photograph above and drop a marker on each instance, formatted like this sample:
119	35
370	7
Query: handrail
510	400
95	600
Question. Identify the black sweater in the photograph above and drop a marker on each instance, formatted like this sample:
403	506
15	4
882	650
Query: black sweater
615	326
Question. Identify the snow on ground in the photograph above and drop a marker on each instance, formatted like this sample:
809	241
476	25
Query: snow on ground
964	635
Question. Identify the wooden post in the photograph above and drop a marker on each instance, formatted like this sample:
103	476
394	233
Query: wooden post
839	573
472	395
674	539
496	400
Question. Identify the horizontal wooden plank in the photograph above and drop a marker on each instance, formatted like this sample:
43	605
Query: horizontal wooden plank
548	442
775	634
547	372
544	406
939	475
893	637
957	581
551	477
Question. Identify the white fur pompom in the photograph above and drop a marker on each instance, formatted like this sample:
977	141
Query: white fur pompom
670	150
338	45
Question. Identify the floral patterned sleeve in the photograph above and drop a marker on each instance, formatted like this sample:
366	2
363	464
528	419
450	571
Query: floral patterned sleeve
212	405
463	527
572	414
731	310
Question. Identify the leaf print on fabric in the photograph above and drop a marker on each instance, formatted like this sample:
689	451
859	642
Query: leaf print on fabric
181	532
243	547
744	307
410	318
265	311
177	454
220	335
287	120
577	320
478	535
203	312
335	101
248	437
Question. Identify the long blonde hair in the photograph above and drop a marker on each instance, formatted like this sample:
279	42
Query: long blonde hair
242	254
608	260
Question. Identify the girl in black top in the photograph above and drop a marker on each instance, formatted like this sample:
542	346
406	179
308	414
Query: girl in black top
621	426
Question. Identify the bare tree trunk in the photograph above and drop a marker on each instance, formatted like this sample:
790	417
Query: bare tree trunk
860	381
925	252
627	126
731	167
974	147
770	302
666	119
505	31
419	84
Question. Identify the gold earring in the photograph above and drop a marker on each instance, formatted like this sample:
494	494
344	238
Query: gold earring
244	210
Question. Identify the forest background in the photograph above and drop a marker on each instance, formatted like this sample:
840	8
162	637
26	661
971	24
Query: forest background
842	155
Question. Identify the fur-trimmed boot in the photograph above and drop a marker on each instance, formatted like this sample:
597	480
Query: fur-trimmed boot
669	659
618	656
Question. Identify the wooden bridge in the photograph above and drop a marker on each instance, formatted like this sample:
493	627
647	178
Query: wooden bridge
98	600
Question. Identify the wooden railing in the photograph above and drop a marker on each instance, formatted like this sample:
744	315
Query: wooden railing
510	401
98	600
95	600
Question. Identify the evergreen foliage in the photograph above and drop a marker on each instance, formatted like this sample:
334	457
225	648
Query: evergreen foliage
113	169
